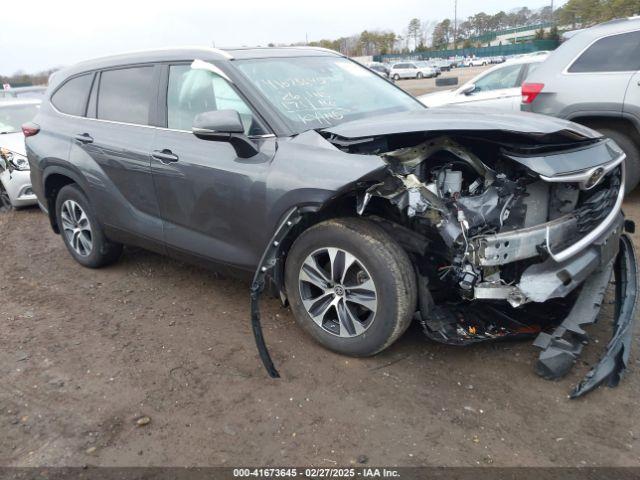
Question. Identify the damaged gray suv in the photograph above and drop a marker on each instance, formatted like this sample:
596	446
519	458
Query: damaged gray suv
343	195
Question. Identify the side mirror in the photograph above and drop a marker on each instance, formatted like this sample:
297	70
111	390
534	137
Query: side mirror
224	126
469	89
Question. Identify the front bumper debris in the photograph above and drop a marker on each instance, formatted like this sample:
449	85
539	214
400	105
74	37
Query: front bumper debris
562	347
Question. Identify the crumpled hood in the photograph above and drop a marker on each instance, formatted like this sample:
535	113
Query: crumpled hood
13	142
466	119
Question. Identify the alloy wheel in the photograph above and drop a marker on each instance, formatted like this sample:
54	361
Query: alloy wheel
76	227
338	292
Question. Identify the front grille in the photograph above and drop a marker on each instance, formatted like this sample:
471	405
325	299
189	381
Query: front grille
594	205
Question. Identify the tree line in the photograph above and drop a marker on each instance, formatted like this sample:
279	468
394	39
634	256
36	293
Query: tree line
21	78
420	35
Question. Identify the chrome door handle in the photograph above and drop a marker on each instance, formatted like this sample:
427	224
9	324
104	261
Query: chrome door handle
165	156
84	138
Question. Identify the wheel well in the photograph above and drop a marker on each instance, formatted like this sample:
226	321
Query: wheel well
344	205
52	185
616	123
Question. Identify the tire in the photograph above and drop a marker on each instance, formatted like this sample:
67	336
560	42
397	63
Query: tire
5	201
631	149
419	76
92	249
396	77
379	261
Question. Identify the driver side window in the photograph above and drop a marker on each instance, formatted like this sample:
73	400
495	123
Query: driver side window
505	77
192	92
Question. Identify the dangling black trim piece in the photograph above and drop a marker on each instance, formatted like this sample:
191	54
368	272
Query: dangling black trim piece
267	263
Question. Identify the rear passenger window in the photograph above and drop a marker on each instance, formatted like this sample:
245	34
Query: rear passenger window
617	53
72	97
125	95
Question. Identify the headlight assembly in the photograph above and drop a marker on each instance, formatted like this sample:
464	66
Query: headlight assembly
14	160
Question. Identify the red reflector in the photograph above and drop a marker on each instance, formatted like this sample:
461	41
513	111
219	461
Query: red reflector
29	129
530	91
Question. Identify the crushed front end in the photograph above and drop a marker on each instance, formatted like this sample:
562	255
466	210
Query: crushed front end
512	235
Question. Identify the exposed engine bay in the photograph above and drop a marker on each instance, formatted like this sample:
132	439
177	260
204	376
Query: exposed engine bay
501	250
511	236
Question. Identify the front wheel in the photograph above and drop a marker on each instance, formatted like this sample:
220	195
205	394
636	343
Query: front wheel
396	77
419	76
351	286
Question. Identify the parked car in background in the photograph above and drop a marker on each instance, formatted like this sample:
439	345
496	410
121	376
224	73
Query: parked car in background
357	204
474	62
403	70
379	68
594	79
443	65
22	92
497	87
15	182
428	68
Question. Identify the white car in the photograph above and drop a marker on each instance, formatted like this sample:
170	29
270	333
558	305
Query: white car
497	87
410	70
428	70
15	181
475	62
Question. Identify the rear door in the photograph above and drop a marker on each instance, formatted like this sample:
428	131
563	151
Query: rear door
600	77
209	198
113	148
632	100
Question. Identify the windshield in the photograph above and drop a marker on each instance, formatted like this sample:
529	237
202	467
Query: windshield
13	116
319	92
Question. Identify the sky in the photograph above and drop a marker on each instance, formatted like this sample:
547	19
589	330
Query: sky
36	35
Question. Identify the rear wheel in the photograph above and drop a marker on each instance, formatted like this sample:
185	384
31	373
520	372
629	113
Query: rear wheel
81	231
419	76
350	286
630	148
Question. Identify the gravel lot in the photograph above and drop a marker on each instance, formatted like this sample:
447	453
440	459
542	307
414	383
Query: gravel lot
85	354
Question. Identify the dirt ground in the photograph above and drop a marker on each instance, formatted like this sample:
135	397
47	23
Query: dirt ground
84	354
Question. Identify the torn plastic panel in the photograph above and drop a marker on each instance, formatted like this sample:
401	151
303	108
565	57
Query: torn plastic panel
562	347
615	360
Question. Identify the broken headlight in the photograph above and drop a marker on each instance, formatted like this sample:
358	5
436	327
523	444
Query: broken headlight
14	161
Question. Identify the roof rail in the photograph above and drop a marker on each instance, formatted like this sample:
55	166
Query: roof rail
322	49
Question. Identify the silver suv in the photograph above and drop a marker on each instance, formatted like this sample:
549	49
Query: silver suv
594	79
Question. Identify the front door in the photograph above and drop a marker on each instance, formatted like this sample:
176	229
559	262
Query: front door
209	198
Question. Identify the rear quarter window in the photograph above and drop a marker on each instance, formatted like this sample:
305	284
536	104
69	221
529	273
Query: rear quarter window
71	97
616	53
